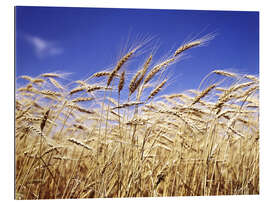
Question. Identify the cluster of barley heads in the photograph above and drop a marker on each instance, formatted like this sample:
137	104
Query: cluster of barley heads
117	134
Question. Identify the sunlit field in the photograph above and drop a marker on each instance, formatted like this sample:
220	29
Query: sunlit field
118	133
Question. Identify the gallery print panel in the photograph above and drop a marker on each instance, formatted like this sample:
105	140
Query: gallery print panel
114	103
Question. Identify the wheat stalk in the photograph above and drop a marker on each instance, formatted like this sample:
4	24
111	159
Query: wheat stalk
198	42
121	82
119	64
142	72
53	75
56	84
224	73
82	99
101	74
50	93
203	94
80	144
157	89
156	69
132	85
127	105
77	89
74	106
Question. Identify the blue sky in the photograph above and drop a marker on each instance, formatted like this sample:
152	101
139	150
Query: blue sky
83	41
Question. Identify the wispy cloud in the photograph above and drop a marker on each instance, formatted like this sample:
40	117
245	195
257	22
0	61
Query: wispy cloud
42	47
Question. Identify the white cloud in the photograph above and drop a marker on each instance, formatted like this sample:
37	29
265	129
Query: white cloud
43	47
